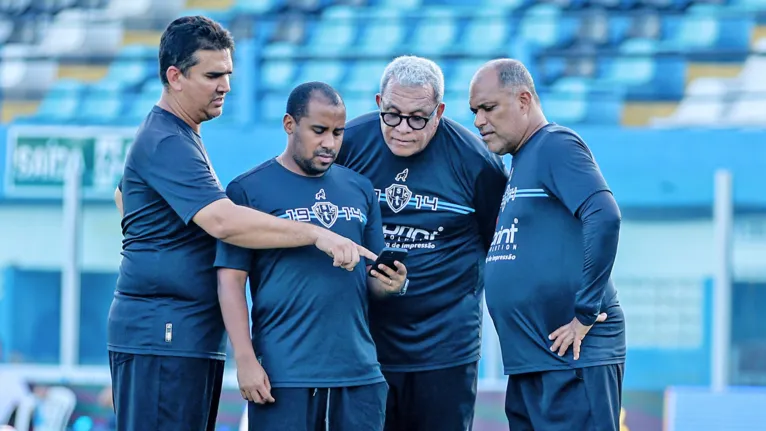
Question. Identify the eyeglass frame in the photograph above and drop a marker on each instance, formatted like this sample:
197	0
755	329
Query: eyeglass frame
407	118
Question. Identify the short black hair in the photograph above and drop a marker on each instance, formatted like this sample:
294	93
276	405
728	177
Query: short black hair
298	101
184	37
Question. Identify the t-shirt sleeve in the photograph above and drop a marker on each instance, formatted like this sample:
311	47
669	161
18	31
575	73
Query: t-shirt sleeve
177	170
488	194
228	255
569	171
373	229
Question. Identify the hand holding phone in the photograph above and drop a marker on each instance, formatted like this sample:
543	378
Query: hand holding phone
387	257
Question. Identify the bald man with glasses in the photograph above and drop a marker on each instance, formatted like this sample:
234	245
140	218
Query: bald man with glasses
439	190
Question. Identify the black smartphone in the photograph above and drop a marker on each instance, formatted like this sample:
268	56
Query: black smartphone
387	257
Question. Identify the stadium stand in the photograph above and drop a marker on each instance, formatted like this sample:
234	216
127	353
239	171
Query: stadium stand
667	63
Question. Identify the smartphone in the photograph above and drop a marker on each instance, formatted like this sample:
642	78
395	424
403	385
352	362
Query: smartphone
387	257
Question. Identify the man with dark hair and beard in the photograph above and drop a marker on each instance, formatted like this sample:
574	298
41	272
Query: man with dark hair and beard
311	361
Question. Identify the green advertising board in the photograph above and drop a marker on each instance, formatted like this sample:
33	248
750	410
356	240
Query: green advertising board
37	160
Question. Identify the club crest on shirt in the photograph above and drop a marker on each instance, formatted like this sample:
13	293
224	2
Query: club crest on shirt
398	195
325	212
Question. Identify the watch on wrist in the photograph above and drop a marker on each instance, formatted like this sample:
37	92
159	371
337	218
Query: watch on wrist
404	287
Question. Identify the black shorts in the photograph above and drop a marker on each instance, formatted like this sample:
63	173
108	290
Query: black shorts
442	400
165	393
587	399
353	408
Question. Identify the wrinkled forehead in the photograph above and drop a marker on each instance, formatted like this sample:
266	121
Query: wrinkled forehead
408	100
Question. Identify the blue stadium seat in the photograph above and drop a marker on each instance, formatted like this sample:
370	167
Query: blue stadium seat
256	6
544	26
102	103
329	71
278	69
335	32
273	106
436	31
134	65
459	74
363	77
692	31
487	32
61	103
399	4
142	103
358	105
383	32
565	109
457	108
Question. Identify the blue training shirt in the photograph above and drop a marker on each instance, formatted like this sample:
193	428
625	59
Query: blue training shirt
309	318
441	204
166	300
535	266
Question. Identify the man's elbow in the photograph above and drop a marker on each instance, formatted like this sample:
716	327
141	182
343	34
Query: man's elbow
217	219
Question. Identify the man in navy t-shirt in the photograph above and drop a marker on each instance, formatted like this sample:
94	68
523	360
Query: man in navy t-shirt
439	190
166	336
548	273
312	359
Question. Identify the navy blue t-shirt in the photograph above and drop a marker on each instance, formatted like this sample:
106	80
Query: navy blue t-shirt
442	205
309	318
166	301
535	265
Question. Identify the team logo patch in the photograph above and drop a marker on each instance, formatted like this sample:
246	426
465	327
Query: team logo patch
326	213
398	196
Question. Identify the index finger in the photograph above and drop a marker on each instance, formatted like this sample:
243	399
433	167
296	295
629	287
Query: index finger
366	253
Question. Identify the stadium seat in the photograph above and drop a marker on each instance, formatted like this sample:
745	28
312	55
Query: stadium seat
363	77
487	32
6	29
134	65
142	103
358	105
335	32
702	105
102	103
544	26
159	10
747	110
60	104
256	6
273	106
436	30
383	31
20	76
329	71
278	69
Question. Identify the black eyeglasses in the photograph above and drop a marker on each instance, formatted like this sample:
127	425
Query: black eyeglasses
416	122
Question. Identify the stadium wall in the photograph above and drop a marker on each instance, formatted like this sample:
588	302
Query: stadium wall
663	180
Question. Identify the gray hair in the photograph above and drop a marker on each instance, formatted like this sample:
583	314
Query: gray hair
411	71
513	74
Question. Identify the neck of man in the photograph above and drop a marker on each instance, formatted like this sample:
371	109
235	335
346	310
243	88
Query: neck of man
171	104
537	121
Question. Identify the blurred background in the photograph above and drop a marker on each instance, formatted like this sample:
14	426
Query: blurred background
669	94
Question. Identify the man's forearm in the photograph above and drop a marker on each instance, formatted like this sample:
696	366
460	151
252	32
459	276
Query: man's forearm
249	228
601	231
118	201
231	296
